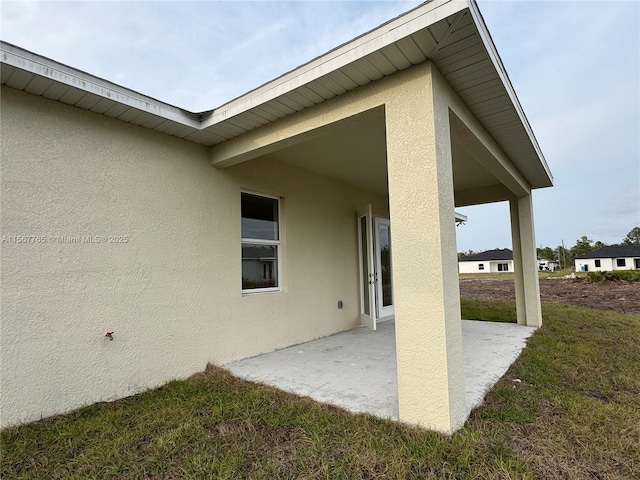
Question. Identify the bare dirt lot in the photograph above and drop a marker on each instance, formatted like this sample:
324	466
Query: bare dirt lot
618	296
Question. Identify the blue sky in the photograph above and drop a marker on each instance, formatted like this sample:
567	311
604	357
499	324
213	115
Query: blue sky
574	65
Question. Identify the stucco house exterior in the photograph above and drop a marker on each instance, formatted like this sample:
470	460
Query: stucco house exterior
490	261
265	222
614	257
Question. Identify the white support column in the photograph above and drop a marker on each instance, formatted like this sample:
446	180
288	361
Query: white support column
525	262
426	290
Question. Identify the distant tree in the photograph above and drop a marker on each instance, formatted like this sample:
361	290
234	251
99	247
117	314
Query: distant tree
633	237
547	253
583	245
599	244
463	255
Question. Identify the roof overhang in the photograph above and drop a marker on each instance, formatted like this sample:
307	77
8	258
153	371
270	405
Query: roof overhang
460	218
450	33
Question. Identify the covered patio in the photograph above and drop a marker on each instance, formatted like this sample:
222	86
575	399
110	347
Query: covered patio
357	369
348	169
446	132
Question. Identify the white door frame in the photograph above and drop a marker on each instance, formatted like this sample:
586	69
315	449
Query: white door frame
370	263
368	315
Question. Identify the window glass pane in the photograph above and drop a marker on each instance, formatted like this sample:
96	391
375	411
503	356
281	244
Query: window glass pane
259	217
384	233
259	266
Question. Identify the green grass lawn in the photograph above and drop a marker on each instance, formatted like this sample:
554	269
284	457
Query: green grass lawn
568	408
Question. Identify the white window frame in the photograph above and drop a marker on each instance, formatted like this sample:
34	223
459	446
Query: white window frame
257	241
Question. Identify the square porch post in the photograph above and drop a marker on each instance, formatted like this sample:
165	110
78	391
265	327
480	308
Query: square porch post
431	389
525	263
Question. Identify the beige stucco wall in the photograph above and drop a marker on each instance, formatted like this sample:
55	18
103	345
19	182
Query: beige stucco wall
172	292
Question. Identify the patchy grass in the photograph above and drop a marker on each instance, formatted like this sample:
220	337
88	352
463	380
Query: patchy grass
569	408
490	310
576	413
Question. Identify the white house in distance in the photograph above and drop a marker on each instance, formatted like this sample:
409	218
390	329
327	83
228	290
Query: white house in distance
491	261
263	223
548	265
615	257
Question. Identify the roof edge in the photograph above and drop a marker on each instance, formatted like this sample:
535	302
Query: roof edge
40	65
485	35
407	23
608	252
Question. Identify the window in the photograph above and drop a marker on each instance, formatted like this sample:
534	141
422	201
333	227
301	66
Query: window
503	267
481	266
636	262
621	262
597	263
260	243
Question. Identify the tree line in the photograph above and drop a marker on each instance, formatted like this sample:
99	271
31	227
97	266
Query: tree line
565	256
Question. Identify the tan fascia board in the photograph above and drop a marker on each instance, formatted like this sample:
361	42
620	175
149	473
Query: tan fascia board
407	24
485	36
293	129
44	67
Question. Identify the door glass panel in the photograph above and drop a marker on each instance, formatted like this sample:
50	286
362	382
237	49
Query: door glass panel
384	235
364	265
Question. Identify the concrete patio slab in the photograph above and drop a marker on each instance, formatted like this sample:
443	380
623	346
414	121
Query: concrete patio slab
356	370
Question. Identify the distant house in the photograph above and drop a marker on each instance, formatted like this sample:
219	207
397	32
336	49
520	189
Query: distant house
547	265
615	257
498	260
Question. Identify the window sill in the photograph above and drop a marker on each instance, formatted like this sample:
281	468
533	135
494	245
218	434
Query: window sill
259	291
